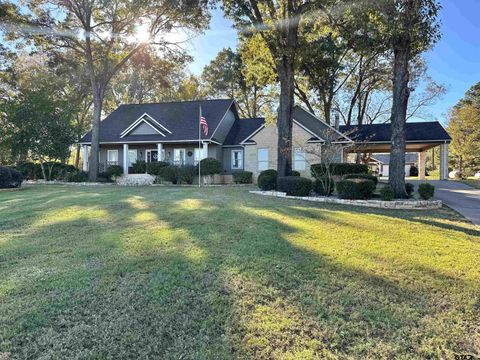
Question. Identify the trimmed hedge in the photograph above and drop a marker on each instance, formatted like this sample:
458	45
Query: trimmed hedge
426	191
409	189
387	193
210	166
30	170
413	170
242	177
362	176
79	176
114	171
154	168
10	178
324	186
176	174
185	174
295	185
355	189
267	180
139	167
338	169
294	173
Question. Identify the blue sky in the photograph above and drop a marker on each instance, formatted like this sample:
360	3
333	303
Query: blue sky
454	61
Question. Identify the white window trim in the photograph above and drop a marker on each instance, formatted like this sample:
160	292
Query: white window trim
240	159
111	152
142	119
267	161
295	161
128	157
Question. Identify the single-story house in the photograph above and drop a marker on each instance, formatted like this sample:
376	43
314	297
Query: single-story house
380	163
169	131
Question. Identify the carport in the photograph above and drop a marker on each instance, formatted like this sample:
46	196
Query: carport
420	137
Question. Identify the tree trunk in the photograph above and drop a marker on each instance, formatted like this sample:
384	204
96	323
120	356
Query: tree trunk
43	171
77	155
97	112
401	93
284	120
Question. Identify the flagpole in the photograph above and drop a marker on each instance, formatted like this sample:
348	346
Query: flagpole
199	143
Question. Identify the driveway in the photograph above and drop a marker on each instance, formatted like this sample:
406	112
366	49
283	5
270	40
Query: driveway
458	196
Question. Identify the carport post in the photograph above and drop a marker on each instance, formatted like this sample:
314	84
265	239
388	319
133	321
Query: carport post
422	159
444	161
85	158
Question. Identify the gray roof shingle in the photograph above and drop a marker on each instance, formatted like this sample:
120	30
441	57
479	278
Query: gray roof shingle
241	129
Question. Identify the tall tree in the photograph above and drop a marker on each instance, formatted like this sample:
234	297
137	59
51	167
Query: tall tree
106	34
407	27
278	23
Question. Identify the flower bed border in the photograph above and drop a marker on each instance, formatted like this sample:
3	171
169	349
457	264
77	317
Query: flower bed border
393	205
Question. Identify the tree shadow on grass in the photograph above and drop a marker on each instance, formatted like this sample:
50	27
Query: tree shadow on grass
192	276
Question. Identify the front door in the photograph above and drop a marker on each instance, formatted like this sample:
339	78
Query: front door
152	155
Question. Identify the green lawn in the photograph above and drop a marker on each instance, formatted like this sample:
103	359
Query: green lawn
472	182
218	273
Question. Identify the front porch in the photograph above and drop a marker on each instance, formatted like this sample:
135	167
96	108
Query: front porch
127	154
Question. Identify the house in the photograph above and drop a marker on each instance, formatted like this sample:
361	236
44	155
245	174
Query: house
169	132
379	163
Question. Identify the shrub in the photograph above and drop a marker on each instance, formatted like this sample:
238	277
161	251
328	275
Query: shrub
355	189
30	170
338	169
79	176
387	193
324	186
10	178
185	174
104	177
362	176
413	170
409	189
139	167
294	173
426	191
168	173
210	166
267	180
154	168
295	185
114	171
242	177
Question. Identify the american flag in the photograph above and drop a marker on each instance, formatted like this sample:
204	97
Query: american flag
204	124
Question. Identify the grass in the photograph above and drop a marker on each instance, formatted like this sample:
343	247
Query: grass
472	182
218	273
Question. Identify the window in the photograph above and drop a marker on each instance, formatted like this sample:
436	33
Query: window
298	159
132	157
197	155
179	156
237	159
112	157
262	158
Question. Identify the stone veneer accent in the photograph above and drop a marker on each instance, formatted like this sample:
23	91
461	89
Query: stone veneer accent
135	180
395	204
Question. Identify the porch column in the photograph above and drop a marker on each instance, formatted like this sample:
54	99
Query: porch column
422	160
204	151
85	158
444	162
159	152
125	159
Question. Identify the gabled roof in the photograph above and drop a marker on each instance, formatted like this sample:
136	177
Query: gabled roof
241	129
180	118
415	132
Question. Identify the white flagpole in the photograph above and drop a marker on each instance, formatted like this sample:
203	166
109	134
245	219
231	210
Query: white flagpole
199	143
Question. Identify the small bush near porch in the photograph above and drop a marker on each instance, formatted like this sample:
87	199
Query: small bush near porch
218	273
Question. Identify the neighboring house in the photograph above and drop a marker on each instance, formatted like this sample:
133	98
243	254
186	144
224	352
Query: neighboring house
380	163
169	132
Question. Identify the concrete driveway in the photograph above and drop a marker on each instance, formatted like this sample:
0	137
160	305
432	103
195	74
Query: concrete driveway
458	196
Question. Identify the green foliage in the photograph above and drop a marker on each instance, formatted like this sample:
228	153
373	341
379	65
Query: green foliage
114	171
409	189
355	189
167	173
79	176
154	168
387	193
104	177
176	174
295	185
210	166
267	180
294	173
185	174
362	176
139	167
338	169
426	191
324	186
242	177
30	170
10	178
